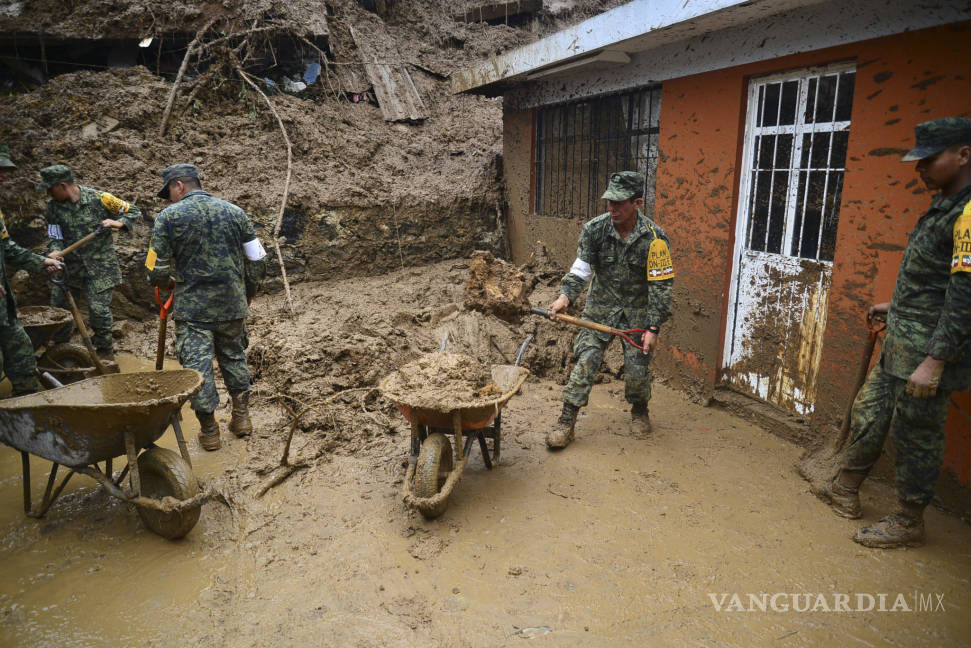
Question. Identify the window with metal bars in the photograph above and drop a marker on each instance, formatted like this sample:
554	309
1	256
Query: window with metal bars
580	144
798	135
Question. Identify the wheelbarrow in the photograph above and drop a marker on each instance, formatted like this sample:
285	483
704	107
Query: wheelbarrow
433	468
117	415
66	362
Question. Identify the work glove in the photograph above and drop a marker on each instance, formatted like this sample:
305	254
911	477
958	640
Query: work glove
159	277
924	381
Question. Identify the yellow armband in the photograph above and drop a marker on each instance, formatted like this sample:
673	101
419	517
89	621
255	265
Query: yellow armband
961	256
659	264
114	204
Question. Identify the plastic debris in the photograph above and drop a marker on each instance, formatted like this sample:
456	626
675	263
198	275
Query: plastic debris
311	73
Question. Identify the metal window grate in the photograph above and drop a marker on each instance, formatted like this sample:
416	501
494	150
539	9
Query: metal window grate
578	146
798	159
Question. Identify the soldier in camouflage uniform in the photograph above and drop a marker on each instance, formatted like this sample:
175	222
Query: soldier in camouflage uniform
72	213
628	256
926	353
16	352
218	264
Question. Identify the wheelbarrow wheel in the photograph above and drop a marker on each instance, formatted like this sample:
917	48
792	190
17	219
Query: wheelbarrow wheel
431	471
165	473
69	356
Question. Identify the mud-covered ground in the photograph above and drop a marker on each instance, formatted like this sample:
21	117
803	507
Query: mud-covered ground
617	540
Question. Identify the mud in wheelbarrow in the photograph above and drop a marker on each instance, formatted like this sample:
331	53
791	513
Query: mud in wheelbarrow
433	468
98	419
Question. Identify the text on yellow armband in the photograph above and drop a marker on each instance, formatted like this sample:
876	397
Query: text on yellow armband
659	264
961	256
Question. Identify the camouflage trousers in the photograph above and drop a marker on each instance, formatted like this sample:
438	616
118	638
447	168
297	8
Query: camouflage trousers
17	358
589	348
917	426
197	342
99	311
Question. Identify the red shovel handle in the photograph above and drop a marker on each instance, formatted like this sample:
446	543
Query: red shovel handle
166	307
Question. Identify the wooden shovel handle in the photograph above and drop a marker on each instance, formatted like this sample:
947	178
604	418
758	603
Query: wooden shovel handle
576	321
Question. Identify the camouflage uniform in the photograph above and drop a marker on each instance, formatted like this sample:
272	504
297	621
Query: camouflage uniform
929	315
622	296
205	238
93	268
16	352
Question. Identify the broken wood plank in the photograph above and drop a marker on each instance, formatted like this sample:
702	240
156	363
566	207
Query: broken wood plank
395	91
494	10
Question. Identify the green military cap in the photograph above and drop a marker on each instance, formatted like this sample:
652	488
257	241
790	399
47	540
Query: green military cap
5	161
50	176
936	135
174	171
624	185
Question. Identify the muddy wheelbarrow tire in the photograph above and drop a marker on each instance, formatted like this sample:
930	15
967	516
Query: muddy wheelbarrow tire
165	473
431	471
69	356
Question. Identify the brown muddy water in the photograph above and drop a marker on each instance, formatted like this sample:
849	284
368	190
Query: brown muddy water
615	541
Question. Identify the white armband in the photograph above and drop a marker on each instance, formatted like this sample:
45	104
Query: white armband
254	250
581	269
54	232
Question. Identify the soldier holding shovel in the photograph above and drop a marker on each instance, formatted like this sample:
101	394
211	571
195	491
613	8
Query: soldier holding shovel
926	353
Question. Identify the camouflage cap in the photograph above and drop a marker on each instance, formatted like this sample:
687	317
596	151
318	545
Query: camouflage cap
936	135
5	161
50	176
623	185
174	171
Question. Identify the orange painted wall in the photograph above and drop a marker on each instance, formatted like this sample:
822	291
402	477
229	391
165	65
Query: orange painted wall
901	80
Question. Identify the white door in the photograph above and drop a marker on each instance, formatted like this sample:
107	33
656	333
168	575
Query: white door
794	157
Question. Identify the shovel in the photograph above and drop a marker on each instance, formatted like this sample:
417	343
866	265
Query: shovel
163	317
576	321
821	465
81	241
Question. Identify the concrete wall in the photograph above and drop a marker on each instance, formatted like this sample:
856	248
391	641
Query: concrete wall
901	80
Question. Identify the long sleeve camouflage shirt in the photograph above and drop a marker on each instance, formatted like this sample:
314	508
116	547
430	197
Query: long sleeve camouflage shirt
200	241
621	285
12	256
95	262
930	312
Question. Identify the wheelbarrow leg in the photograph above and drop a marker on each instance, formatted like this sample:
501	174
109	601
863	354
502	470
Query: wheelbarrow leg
484	449
25	459
50	498
132	452
457	428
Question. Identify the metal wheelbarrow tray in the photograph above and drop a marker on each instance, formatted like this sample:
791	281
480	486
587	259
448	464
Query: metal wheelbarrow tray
432	472
110	416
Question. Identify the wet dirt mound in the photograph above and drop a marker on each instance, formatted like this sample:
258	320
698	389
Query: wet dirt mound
497	287
441	382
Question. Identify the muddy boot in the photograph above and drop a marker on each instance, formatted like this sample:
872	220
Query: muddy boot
640	419
240	424
561	434
903	528
842	494
105	355
208	431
